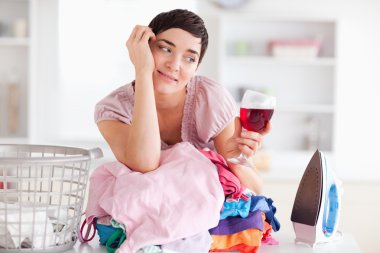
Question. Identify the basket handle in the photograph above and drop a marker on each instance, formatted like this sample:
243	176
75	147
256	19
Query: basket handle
95	153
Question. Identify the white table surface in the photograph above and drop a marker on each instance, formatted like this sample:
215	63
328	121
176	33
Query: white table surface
286	245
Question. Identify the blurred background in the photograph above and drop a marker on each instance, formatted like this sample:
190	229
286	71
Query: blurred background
319	58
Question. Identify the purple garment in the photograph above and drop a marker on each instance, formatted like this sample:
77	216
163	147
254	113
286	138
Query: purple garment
236	224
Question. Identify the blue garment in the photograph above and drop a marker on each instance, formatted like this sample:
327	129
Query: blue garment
259	203
266	205
104	232
236	208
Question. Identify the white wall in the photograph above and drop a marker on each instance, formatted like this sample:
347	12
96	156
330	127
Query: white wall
358	75
79	56
84	72
93	58
358	120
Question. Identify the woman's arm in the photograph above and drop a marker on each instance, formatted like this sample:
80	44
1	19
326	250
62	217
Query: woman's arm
138	146
231	142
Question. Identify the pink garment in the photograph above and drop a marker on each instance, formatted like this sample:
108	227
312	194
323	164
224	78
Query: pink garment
181	198
208	109
269	240
230	183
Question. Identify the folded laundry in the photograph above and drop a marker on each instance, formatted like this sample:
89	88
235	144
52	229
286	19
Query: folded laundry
236	208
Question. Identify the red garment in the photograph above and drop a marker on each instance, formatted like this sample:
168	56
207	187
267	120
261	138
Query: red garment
230	183
267	235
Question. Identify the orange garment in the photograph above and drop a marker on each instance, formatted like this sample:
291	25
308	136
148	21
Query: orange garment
247	238
246	241
242	248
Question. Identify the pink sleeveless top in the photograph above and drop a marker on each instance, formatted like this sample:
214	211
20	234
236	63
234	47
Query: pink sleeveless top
208	109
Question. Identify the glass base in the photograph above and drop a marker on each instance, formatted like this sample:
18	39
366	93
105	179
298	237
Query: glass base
241	159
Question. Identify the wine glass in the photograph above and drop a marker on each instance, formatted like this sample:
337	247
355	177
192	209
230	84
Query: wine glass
256	110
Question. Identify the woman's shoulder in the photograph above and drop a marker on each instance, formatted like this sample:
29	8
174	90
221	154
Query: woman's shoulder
214	108
124	92
206	82
207	87
117	105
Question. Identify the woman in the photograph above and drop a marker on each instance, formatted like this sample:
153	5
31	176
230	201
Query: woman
167	103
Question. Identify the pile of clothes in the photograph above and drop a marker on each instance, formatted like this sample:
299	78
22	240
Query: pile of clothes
246	220
187	205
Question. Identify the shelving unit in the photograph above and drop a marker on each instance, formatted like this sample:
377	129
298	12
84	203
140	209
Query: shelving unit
14	69
13	42
305	87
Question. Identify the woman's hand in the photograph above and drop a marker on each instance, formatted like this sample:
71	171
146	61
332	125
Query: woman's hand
249	142
231	142
139	50
243	141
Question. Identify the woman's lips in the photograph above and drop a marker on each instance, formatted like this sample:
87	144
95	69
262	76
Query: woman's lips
167	77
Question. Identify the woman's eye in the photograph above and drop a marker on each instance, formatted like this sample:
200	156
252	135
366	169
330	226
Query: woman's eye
165	49
190	59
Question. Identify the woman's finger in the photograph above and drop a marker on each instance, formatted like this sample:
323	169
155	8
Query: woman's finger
251	135
148	35
252	144
131	36
141	31
245	141
137	33
267	128
247	151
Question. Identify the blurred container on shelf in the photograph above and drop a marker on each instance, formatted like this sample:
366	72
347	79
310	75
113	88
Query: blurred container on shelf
13	103
312	137
241	48
294	48
20	28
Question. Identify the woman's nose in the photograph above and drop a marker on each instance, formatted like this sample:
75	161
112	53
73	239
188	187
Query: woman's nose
173	64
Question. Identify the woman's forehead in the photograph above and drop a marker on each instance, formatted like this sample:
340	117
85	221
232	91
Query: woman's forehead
180	38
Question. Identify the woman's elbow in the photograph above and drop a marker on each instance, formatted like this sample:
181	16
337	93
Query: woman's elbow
140	165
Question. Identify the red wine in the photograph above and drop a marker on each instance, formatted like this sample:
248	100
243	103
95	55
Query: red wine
255	119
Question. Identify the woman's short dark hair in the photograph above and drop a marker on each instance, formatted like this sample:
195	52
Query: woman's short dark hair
185	20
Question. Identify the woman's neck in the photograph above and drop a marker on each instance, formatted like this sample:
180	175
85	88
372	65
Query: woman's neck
169	102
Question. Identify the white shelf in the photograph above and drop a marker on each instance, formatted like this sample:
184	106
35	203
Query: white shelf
306	108
15	66
11	41
269	60
15	140
271	16
291	164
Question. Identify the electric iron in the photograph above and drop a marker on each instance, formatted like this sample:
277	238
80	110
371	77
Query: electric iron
316	208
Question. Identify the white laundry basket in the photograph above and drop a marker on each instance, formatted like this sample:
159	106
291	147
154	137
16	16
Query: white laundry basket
42	190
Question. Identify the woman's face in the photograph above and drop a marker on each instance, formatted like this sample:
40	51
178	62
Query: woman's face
176	56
